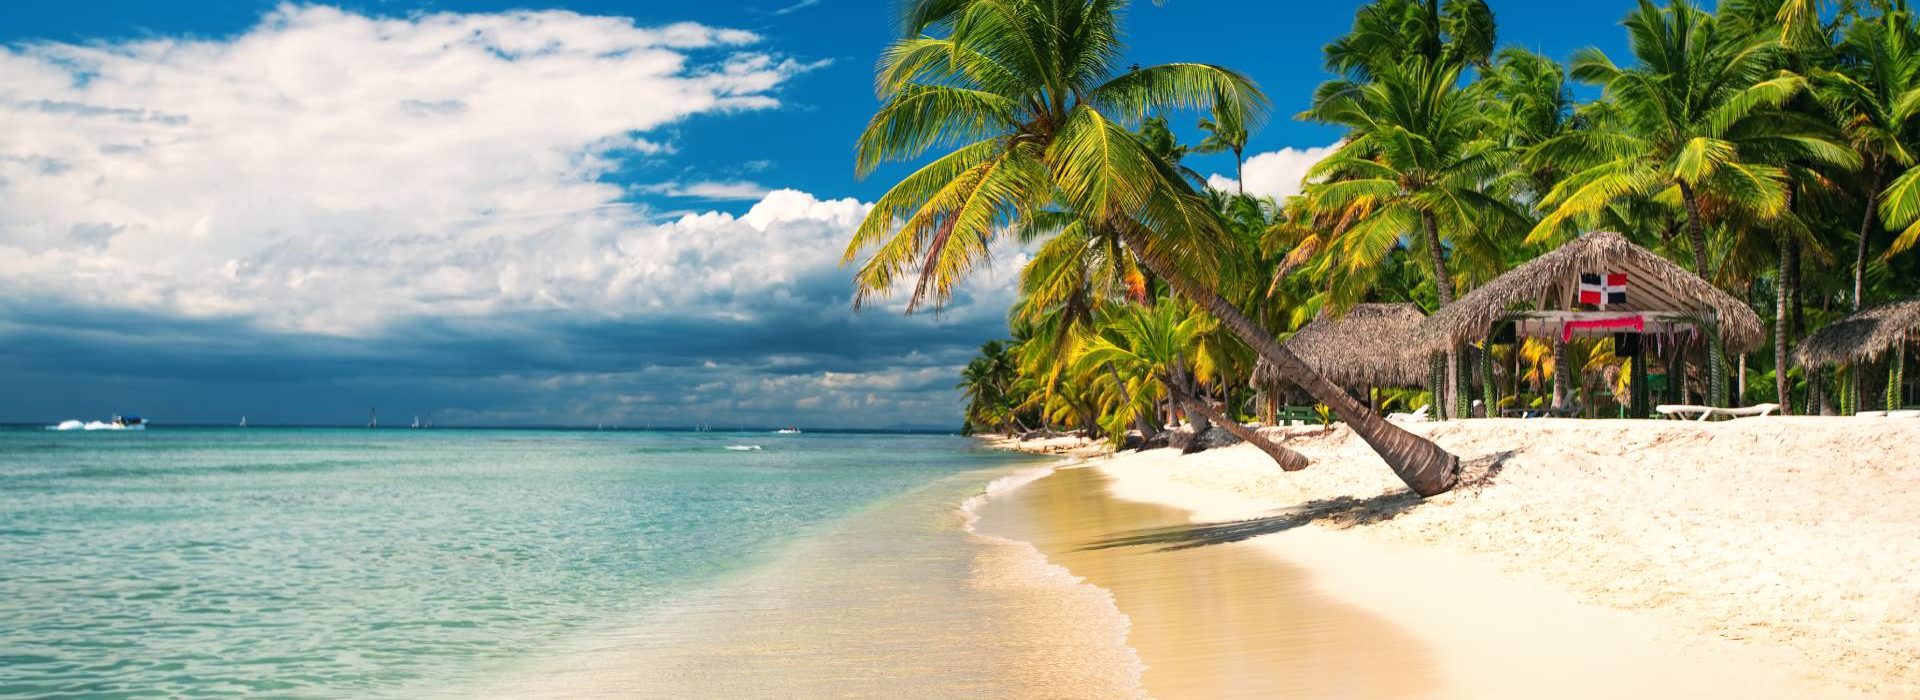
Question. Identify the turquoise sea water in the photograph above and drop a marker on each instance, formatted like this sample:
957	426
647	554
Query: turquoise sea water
349	563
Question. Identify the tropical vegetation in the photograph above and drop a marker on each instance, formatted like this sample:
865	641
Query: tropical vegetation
1768	145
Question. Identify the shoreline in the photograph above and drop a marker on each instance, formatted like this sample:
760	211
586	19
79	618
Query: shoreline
901	598
1771	549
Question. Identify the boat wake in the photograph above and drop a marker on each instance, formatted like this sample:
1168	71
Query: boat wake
95	425
743	448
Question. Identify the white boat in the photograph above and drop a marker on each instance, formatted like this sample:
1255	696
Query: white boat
119	422
416	420
243	421
787	431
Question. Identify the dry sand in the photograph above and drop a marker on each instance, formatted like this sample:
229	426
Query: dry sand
1773	556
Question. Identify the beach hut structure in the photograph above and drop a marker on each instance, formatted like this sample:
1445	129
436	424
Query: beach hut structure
1369	346
1602	285
1863	339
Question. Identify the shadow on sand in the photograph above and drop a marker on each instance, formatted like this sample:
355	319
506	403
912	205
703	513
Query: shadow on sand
1343	512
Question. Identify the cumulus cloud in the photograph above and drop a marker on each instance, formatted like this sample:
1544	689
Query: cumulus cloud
1275	174
328	171
332	210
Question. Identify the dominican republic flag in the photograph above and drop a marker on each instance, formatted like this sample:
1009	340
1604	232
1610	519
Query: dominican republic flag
1601	290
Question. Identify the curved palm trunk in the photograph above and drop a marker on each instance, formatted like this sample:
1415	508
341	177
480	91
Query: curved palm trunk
1866	231
1426	469
1443	288
1287	459
1696	236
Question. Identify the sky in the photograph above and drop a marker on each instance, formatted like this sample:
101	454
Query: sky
514	213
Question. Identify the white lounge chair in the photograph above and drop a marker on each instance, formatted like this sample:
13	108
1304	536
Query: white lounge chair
1419	415
1705	413
1906	413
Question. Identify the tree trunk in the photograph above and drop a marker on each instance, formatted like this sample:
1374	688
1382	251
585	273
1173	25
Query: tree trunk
1287	459
1696	237
1422	465
1140	420
1190	395
1443	288
1866	235
1781	295
1560	374
1239	171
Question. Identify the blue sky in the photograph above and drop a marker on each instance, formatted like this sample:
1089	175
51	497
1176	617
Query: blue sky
555	213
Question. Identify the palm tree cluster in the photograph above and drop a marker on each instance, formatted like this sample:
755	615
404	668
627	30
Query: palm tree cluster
1767	145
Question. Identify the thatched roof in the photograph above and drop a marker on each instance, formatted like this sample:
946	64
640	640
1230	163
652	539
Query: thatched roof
1371	345
1550	283
1864	336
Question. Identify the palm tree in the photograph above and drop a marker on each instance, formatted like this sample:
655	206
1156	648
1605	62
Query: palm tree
1030	101
1413	163
1156	343
1875	92
1695	122
1223	136
988	382
1388	33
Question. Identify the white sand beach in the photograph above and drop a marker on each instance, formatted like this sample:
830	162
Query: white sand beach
1769	557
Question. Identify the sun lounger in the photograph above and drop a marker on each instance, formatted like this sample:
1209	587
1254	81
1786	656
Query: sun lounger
1706	413
1907	413
1419	415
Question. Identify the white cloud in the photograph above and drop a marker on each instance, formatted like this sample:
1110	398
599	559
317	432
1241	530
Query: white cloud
713	190
796	7
1275	174
332	172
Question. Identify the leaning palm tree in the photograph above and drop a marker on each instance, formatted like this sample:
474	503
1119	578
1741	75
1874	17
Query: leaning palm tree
1158	343
1030	101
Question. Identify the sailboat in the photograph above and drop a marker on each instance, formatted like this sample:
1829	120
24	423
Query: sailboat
373	418
416	420
243	421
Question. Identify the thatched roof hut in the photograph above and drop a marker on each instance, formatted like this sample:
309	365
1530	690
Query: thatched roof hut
1548	286
1862	337
1370	346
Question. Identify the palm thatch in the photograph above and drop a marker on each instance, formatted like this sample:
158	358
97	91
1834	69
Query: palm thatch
1861	337
1370	346
1550	283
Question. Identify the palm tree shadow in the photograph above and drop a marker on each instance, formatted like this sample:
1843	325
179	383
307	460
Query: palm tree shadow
1340	513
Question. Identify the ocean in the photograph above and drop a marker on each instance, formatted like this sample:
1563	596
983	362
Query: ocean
356	563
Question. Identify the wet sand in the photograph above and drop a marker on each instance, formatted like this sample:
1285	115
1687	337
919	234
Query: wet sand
1215	621
899	602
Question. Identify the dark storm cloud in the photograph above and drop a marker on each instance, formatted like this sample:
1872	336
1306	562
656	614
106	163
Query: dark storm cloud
828	367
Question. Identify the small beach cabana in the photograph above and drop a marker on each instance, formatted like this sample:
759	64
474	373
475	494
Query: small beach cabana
1863	339
1371	345
1600	285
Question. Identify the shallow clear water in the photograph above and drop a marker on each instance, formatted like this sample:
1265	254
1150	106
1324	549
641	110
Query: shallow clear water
353	562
